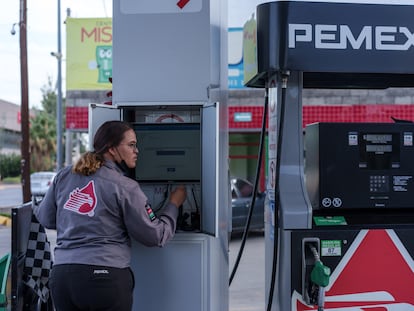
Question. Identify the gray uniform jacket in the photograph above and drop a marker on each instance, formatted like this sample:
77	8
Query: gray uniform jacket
96	216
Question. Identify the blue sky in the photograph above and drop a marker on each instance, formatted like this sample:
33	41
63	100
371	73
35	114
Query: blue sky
42	39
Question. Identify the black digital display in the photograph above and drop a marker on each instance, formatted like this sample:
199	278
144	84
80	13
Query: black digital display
378	138
379	148
379	151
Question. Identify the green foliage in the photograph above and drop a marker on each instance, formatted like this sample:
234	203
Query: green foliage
13	180
43	129
42	141
49	98
9	165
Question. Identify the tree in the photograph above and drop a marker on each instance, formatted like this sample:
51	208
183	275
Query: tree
43	131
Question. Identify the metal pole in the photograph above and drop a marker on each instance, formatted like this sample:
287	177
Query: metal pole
68	144
24	107
59	124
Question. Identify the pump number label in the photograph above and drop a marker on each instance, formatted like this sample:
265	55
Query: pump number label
331	248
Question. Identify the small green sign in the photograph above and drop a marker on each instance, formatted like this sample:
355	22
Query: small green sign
331	248
329	220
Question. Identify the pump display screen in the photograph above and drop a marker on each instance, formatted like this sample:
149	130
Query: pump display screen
378	151
168	152
378	138
378	148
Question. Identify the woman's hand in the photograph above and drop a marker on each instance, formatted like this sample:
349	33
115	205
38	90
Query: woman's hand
178	196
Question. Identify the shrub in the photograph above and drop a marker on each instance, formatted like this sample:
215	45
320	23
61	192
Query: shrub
9	165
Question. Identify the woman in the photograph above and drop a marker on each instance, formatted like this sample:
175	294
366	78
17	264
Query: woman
96	210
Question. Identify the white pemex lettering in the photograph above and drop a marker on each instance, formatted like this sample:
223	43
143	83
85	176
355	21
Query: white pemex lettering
299	33
341	37
364	36
327	37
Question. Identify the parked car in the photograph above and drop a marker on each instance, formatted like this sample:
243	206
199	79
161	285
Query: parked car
241	193
40	183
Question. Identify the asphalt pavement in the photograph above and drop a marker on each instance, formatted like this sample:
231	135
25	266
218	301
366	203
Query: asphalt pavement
247	291
10	195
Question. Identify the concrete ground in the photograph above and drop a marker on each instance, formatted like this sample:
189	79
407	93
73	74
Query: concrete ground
246	292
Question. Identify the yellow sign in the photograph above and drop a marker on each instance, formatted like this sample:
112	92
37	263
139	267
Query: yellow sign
250	50
88	53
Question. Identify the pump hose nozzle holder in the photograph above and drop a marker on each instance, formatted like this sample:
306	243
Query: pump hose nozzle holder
320	276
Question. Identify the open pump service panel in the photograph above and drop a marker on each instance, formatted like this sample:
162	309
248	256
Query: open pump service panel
169	144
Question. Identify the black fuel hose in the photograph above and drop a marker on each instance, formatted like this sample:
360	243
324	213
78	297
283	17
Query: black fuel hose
256	182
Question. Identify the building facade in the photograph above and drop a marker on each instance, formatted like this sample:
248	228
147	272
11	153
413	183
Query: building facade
10	128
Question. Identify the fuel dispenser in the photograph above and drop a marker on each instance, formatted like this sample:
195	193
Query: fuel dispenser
169	83
339	214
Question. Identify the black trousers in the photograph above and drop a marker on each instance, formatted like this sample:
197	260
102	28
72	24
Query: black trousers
92	288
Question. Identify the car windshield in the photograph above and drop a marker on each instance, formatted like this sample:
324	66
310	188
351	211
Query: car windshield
245	188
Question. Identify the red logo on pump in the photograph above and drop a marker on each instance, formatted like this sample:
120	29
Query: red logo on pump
182	3
376	274
82	201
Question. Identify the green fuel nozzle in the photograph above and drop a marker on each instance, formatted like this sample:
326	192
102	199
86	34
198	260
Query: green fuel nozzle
320	274
320	277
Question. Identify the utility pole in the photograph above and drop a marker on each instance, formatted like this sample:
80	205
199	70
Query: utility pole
59	124
24	107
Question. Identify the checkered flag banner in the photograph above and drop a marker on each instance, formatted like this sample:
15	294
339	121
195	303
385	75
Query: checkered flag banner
38	261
